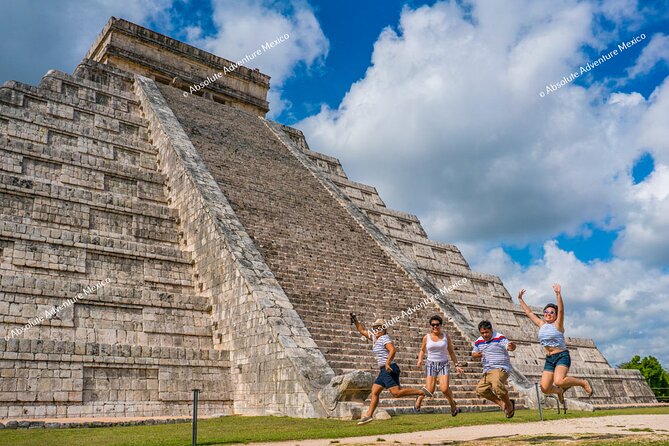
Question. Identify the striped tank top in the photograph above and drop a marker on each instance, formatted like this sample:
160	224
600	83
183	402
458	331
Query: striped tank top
380	350
549	336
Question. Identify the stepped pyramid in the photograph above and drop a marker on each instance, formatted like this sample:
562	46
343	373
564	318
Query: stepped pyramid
153	241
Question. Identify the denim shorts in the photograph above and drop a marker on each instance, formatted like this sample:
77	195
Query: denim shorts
557	359
389	379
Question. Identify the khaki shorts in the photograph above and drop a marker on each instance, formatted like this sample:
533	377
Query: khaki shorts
492	384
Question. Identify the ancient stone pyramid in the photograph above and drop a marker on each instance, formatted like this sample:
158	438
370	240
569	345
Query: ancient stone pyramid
153	241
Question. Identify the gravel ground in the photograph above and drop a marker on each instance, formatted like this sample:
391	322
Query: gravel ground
601	429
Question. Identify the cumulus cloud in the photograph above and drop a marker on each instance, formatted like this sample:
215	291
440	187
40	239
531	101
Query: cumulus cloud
645	236
655	52
448	124
38	36
619	303
644	214
243	26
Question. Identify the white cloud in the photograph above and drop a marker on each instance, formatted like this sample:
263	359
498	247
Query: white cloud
243	26
656	51
448	124
646	233
620	303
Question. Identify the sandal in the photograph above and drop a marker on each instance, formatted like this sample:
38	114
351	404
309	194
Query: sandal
513	409
457	411
426	392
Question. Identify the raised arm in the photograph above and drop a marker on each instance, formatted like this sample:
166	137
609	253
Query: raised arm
361	328
422	351
451	352
559	322
528	311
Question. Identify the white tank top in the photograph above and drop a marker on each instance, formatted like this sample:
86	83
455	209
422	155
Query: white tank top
437	351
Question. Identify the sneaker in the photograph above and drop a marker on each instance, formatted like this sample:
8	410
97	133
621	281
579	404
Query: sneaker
456	412
364	420
426	392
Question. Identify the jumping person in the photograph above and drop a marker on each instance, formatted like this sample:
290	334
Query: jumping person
389	371
439	347
493	349
554	379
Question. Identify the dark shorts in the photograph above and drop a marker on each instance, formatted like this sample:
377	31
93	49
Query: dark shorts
557	359
389	379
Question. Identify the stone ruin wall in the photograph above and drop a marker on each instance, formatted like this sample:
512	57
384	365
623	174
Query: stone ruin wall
83	202
98	181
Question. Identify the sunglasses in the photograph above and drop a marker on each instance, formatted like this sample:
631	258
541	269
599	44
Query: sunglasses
435	325
549	312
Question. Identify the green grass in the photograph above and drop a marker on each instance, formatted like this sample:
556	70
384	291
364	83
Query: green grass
236	429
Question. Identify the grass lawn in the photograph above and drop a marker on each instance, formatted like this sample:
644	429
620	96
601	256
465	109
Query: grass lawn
237	429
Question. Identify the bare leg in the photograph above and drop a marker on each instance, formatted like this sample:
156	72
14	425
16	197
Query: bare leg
446	390
506	403
562	380
497	400
430	384
376	391
547	385
399	392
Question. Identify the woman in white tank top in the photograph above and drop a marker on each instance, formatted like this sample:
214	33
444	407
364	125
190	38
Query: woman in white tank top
438	346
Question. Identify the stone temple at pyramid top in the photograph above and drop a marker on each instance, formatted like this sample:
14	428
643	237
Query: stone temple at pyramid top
139	50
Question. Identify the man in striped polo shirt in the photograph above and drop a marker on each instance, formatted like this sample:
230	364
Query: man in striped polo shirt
493	348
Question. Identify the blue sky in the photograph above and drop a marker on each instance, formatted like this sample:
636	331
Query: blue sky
437	105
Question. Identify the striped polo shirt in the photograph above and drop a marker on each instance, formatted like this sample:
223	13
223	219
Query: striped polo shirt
495	354
379	348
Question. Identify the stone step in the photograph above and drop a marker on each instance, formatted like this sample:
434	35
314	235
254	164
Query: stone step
95	127
464	398
112	202
39	290
42	100
112	160
92	241
27	349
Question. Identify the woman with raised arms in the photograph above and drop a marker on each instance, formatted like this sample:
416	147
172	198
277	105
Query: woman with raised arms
554	379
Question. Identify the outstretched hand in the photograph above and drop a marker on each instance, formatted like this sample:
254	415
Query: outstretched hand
557	288
520	294
459	369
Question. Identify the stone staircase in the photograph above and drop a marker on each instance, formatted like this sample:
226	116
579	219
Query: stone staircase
326	263
483	296
83	202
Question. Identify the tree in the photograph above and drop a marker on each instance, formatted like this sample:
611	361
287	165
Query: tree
655	375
